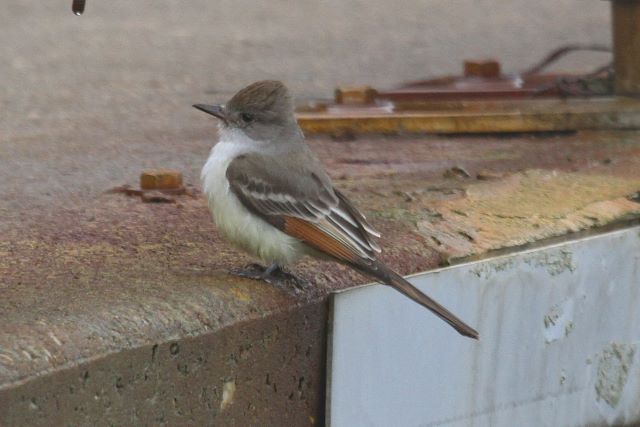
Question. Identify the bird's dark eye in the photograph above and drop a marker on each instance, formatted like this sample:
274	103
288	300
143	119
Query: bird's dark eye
246	117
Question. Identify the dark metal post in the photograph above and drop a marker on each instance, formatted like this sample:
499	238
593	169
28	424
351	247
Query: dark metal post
626	46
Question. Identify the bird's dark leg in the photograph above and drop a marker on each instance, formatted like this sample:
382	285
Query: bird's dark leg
250	271
270	271
277	275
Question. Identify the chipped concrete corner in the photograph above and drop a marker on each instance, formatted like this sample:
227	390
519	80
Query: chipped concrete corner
231	377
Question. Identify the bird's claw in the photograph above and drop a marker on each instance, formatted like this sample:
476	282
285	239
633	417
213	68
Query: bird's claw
250	271
274	275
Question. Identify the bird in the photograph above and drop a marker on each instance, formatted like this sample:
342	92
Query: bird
270	195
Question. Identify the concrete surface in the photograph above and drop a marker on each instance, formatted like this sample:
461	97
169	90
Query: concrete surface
94	282
91	283
558	343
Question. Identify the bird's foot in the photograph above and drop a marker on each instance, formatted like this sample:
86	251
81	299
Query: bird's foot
250	271
280	277
275	275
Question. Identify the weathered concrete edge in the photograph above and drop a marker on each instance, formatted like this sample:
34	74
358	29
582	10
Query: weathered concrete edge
88	360
23	399
618	224
542	243
260	357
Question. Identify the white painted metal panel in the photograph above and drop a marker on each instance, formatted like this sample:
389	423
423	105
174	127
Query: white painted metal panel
559	326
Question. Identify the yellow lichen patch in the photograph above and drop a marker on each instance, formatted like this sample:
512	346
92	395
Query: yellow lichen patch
240	294
527	207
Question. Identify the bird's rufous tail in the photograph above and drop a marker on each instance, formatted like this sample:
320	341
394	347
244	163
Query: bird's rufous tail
399	283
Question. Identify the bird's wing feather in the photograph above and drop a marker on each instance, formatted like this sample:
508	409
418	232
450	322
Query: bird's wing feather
295	194
304	204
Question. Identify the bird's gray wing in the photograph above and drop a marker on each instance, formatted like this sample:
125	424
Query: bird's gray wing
299	199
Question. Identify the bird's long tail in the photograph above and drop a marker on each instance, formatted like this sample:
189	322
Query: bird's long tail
399	283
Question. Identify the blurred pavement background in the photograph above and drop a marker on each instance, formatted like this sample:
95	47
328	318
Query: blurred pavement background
80	94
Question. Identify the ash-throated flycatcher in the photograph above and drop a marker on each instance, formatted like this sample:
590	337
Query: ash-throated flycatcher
270	195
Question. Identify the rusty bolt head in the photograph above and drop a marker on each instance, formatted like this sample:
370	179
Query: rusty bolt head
160	179
357	95
487	68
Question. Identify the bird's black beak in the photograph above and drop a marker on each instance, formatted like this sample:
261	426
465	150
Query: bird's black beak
214	110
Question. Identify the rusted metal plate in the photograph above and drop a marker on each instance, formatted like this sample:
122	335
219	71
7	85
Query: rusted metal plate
481	81
487	68
481	117
469	87
483	100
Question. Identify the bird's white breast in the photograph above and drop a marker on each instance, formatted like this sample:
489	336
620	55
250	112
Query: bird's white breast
234	221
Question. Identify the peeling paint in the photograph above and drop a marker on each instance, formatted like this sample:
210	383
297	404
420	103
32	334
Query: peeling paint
558	322
568	328
555	263
487	269
613	371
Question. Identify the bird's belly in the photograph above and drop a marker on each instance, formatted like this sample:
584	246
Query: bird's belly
236	223
252	234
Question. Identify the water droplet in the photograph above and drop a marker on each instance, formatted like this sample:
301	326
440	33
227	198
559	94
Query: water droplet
77	7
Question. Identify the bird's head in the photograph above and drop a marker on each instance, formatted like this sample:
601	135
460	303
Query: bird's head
259	110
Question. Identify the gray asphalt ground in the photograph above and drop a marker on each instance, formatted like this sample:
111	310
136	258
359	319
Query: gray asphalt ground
87	102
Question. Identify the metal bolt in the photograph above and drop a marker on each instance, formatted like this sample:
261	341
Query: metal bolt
355	95
161	179
486	68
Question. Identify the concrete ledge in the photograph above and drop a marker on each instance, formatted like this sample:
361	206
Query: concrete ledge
95	282
257	372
